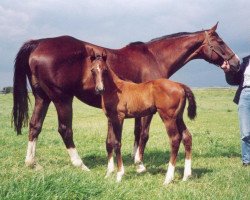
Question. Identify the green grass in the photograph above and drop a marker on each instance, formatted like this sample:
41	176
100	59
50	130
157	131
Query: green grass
217	168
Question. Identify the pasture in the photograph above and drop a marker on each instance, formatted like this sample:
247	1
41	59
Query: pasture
217	171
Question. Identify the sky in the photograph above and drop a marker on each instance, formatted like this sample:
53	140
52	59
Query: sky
116	23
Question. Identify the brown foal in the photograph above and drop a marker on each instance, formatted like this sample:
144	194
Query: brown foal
122	99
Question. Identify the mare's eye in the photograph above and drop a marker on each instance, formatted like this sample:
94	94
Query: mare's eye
92	70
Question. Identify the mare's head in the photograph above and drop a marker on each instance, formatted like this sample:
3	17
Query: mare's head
216	51
98	69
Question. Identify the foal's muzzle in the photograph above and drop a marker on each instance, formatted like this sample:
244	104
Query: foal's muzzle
99	90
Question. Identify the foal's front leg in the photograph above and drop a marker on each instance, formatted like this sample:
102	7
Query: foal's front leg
109	149
114	142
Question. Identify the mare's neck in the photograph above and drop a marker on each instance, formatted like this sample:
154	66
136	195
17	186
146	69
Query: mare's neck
174	52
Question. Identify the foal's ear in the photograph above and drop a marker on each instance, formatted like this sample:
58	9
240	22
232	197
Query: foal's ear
104	55
92	55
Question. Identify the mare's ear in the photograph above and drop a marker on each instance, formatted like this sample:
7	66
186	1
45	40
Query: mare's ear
104	55
92	55
213	29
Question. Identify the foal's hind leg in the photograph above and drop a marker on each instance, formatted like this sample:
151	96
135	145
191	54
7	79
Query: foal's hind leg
64	111
187	142
35	126
175	139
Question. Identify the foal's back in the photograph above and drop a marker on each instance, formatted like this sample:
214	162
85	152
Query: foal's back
137	100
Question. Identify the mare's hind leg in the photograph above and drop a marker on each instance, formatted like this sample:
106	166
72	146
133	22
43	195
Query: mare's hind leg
35	126
175	139
144	135
64	111
187	142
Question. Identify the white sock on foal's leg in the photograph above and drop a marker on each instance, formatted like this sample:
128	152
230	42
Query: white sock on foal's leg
140	167
169	174
76	160
187	169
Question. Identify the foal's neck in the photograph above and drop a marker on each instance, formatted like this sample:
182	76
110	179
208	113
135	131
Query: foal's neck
112	82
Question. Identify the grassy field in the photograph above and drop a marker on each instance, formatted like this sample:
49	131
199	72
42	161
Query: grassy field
217	168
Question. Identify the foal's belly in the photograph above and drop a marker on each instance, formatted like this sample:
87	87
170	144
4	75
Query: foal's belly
140	113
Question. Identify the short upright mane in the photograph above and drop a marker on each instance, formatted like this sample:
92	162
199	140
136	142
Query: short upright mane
180	34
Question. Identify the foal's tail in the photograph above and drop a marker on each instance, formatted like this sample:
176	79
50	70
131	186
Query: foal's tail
20	93
191	101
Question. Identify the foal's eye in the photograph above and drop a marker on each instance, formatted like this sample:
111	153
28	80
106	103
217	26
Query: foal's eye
92	70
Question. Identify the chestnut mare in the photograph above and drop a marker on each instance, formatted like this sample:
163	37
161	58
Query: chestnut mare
122	99
59	69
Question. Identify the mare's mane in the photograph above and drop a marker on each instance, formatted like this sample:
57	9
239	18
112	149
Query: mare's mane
180	34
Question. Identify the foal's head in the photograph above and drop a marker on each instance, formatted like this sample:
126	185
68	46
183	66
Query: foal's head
98	69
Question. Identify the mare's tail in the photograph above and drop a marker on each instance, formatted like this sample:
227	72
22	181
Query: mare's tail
191	101
20	93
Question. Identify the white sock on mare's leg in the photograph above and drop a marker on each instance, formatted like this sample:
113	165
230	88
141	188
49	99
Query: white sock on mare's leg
134	150
76	160
30	156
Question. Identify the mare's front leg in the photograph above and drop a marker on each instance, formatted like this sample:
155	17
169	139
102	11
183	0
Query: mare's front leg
114	136
35	127
64	111
144	135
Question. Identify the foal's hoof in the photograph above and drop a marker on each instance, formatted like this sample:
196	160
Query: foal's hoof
185	178
30	163
38	167
140	168
167	182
